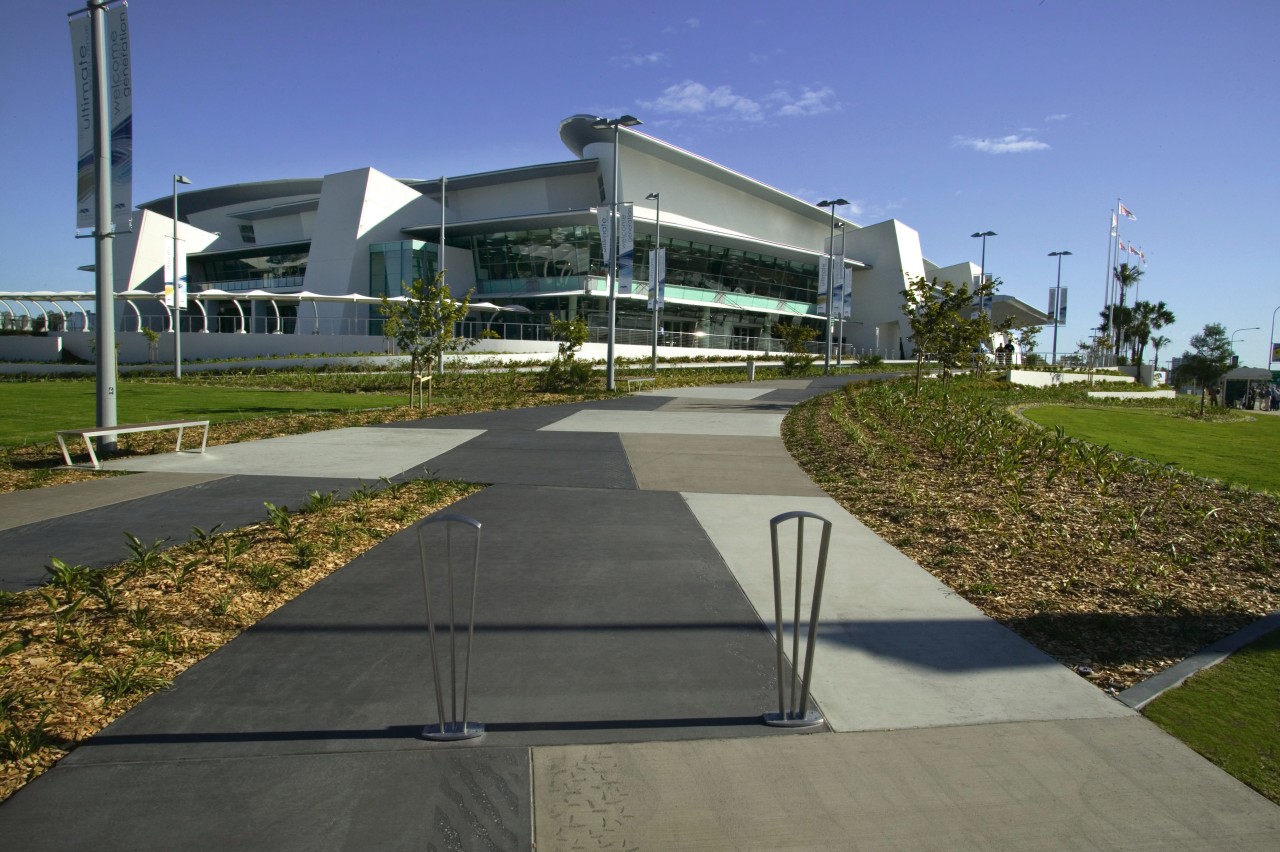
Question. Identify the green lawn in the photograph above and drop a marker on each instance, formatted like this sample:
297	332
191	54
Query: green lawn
1242	451
32	411
1231	714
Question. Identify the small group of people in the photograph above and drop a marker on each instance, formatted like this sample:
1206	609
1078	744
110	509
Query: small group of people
1005	353
1258	398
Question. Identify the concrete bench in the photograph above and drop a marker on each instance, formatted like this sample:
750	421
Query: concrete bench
632	381
125	428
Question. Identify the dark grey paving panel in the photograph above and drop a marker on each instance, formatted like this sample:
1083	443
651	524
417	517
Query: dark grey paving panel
571	459
527	419
96	537
475	799
623	624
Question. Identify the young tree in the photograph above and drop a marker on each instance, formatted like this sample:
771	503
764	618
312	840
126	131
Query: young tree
566	371
1210	361
944	324
798	359
1158	342
423	325
1026	340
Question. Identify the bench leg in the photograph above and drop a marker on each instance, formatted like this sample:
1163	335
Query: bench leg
93	457
205	442
178	448
66	456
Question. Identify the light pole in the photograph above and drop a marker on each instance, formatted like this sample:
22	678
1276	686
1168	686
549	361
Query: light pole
177	315
655	269
843	296
831	257
610	379
982	263
1057	301
1231	343
1271	341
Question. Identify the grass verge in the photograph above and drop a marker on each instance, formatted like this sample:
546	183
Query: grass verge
1231	714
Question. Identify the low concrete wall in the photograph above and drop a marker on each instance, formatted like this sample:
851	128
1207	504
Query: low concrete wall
19	347
1044	379
1155	394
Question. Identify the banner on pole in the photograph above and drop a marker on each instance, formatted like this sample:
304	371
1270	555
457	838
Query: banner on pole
605	218
82	62
824	269
657	279
1058	304
119	112
120	94
848	292
178	285
626	248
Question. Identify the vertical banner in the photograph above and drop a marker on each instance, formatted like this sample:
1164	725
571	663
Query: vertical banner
837	290
1058	305
657	279
848	292
626	248
82	61
174	284
824	266
120	93
606	234
120	110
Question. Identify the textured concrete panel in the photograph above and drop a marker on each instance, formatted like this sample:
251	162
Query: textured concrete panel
571	459
715	464
57	501
675	423
527	419
358	453
1092	784
897	648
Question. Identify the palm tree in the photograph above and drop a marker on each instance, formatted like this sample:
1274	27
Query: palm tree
1158	342
1126	276
1147	317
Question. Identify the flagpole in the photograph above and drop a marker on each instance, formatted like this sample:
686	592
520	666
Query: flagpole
1106	290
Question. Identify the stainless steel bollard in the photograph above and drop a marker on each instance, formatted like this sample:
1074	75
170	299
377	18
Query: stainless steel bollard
793	709
455	727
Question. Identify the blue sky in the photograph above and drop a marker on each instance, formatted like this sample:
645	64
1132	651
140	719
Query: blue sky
1023	117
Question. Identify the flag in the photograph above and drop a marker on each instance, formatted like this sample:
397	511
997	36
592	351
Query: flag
1133	249
1142	255
1113	224
1120	243
1127	212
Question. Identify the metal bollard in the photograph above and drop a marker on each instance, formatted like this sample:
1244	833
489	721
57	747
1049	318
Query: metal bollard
795	712
455	728
751	369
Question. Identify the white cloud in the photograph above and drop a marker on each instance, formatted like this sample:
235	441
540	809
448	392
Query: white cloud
810	102
1004	145
693	23
643	59
693	98
1058	116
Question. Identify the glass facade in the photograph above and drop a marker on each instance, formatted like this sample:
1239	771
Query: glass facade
555	258
392	266
249	271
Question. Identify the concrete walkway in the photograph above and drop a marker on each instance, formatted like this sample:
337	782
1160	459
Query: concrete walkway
622	664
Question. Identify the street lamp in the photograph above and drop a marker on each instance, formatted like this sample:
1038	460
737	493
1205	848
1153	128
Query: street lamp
177	315
831	259
982	264
655	269
1271	342
610	379
843	295
1057	301
1231	343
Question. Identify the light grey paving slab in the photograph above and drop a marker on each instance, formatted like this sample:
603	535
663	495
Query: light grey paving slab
716	392
357	453
897	648
723	465
672	423
1084	785
58	501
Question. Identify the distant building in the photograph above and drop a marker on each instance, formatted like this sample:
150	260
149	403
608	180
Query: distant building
741	255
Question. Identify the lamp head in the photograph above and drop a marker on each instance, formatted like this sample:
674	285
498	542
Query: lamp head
985	234
653	196
1059	253
181	179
